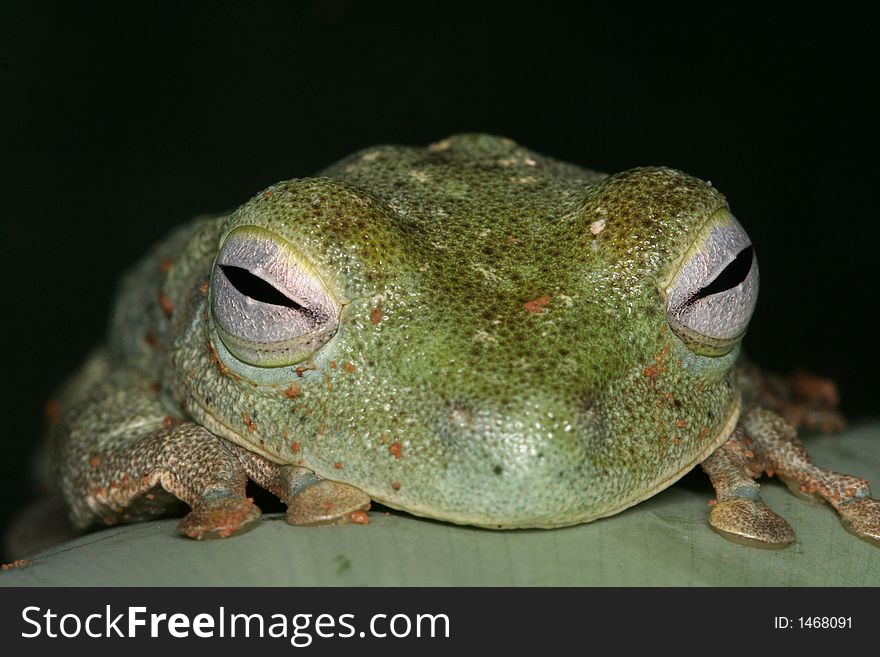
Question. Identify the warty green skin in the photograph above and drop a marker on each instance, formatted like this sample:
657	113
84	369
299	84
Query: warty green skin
500	360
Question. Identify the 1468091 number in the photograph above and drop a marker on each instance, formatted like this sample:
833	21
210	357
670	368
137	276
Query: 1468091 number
825	622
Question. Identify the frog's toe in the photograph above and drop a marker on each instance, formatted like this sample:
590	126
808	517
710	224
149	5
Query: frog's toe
328	503
862	517
750	522
220	518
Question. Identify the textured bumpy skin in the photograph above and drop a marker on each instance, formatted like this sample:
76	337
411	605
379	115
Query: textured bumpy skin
502	357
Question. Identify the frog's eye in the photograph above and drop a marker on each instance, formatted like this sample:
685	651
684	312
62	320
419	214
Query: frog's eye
269	306
711	296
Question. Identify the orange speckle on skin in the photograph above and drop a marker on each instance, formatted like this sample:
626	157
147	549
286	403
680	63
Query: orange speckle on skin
166	304
166	265
396	485
170	421
376	315
248	421
333	364
338	465
95	461
360	518
537	305
681	424
267	194
18	563
295	446
221	366
712	502
203	288
653	371
293	391
395	449
383	439
350	368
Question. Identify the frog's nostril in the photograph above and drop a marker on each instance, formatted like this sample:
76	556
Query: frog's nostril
461	414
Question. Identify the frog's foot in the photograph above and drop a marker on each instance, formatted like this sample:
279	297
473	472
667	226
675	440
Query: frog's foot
220	517
310	499
750	522
739	514
777	448
862	518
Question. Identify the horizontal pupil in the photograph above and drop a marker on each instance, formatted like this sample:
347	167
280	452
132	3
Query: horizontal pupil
731	276
256	288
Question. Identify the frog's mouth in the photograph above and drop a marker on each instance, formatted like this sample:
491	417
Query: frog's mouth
216	426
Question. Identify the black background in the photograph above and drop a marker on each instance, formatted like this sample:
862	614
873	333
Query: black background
120	121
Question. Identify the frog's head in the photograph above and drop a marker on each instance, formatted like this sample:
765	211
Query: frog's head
479	334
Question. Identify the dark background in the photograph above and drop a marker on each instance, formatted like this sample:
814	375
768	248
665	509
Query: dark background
119	122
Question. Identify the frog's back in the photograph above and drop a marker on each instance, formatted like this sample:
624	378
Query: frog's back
456	189
139	332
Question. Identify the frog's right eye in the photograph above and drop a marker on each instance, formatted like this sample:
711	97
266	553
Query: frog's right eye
712	295
270	308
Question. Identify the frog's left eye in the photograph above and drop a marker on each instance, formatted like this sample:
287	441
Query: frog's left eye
711	297
270	308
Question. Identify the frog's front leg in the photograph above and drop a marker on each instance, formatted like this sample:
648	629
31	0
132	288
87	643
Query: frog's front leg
766	443
739	513
310	499
119	455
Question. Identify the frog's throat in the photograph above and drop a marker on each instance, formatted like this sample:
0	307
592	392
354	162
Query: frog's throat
722	436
